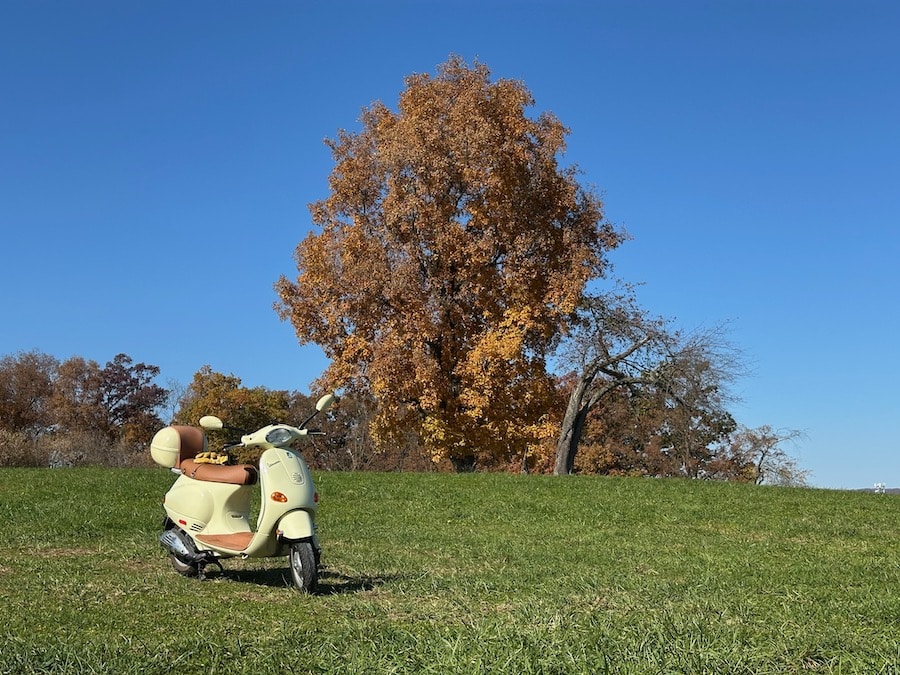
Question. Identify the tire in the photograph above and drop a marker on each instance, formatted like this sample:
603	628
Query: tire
304	572
183	568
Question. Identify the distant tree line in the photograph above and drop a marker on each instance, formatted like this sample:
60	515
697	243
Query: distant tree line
347	444
75	412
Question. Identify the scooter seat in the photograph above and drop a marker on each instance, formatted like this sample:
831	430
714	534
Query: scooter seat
239	474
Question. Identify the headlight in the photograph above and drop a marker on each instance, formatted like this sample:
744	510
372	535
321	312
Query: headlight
279	436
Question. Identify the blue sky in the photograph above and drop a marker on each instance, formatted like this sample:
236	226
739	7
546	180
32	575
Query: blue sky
157	159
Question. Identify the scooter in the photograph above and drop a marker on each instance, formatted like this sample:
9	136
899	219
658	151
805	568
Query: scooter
208	506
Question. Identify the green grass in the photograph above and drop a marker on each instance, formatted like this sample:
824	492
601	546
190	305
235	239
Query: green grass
481	573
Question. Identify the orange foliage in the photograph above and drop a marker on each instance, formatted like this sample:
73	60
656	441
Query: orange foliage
452	250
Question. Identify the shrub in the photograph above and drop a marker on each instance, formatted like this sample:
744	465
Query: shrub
19	449
67	449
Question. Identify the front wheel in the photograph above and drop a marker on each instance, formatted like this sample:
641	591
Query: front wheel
304	572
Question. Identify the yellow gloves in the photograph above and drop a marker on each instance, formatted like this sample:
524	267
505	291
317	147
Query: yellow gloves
211	457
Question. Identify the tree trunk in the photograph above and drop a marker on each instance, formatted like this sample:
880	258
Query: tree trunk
571	429
463	464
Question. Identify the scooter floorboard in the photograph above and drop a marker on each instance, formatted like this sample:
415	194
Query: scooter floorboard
237	541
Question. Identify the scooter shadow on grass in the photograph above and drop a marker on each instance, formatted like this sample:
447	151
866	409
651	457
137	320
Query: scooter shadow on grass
330	582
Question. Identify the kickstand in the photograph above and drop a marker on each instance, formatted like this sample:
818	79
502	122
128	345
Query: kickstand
201	568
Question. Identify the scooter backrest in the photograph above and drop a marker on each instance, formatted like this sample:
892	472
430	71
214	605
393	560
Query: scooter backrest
193	442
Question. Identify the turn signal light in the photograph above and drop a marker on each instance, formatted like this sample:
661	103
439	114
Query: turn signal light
315	497
278	497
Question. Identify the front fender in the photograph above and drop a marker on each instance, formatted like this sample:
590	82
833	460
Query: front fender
297	525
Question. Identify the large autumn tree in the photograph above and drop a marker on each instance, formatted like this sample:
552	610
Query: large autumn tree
450	253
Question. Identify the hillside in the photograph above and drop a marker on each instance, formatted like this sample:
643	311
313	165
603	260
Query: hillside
461	574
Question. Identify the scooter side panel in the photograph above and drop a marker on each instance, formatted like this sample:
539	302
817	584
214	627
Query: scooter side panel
188	505
199	506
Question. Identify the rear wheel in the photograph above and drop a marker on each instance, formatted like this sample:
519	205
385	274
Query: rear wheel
173	538
304	572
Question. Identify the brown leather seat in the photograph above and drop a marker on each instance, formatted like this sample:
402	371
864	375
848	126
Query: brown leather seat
239	474
192	443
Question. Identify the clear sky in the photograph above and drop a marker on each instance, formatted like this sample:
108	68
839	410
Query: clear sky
157	159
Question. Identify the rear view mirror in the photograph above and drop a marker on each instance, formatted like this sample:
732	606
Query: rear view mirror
325	402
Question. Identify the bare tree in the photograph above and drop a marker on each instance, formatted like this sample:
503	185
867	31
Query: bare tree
764	459
175	400
615	344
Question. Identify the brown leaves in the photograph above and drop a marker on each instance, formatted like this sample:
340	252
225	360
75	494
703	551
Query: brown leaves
452	251
118	401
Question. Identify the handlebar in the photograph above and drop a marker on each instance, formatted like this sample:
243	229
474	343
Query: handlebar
272	436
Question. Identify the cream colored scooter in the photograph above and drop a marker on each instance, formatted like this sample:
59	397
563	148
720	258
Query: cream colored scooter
208	506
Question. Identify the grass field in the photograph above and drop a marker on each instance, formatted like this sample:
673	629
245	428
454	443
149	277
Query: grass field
478	573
